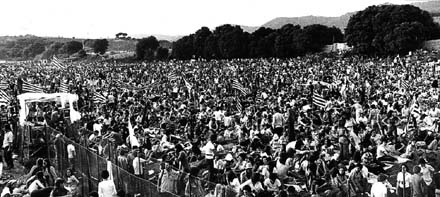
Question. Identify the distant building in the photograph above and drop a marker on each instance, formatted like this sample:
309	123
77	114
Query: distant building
336	47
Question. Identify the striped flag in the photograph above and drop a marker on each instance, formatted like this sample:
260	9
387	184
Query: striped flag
173	76
57	63
319	100
187	84
404	84
416	111
98	98
236	85
31	88
4	85
5	97
238	106
37	65
64	88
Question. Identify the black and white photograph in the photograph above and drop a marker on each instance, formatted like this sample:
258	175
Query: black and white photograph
220	98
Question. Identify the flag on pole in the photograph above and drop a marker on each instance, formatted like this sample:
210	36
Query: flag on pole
57	63
404	84
187	84
5	97
31	88
173	76
98	98
64	88
236	85
238	105
319	100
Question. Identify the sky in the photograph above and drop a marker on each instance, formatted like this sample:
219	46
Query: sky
105	18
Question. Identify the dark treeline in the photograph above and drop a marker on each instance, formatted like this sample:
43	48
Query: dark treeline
390	29
228	41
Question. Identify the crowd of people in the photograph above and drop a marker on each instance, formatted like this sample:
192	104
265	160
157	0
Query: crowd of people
319	125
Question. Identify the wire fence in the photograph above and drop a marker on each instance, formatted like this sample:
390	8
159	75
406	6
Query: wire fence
88	165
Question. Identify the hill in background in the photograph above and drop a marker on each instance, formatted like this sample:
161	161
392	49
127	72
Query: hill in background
340	22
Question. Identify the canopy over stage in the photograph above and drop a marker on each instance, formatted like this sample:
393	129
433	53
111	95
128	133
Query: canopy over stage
62	98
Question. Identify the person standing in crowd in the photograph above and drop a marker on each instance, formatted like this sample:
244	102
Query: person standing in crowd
138	164
71	154
357	182
418	185
123	160
193	186
277	122
403	182
8	140
167	178
427	174
106	188
379	189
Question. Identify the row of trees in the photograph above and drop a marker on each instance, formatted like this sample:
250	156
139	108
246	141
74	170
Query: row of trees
377	30
149	49
31	47
229	41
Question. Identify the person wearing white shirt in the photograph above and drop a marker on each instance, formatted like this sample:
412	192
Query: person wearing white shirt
277	122
272	184
106	188
7	148
379	189
227	121
37	182
7	189
137	164
254	183
208	150
403	182
98	126
71	154
218	115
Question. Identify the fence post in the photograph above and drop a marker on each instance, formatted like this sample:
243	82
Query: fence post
47	142
97	158
88	166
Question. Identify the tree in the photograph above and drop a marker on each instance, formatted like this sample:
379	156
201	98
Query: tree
259	43
210	51
199	41
162	53
183	48
283	45
52	50
33	49
100	46
232	42
316	36
146	46
390	29
71	47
